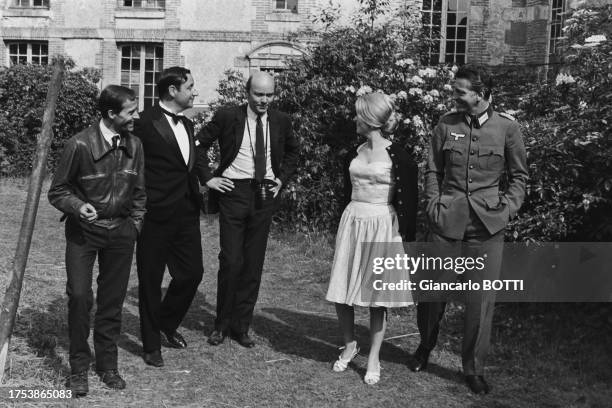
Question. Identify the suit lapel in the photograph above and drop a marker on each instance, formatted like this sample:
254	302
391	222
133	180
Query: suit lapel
192	152
239	126
274	132
163	128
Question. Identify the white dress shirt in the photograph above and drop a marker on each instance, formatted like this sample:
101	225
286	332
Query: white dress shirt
243	166
180	133
107	133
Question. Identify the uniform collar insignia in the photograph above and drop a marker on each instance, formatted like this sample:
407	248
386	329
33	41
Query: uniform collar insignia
480	119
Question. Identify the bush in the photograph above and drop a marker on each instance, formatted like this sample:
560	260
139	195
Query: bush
23	90
565	121
319	91
567	134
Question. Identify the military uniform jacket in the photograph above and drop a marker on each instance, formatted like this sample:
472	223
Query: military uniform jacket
467	158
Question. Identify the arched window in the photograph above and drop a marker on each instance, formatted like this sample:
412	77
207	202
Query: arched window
272	56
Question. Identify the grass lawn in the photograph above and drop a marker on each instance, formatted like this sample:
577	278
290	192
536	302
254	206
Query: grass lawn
541	355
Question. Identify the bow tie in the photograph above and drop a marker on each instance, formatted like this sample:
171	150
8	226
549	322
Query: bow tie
175	118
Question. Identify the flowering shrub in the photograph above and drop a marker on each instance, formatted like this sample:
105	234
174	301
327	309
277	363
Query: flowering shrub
568	138
320	91
565	121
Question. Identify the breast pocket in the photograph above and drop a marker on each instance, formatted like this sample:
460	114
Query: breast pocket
127	176
90	181
491	158
454	154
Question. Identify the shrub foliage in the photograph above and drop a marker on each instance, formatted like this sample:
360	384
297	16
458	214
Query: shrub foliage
565	118
23	90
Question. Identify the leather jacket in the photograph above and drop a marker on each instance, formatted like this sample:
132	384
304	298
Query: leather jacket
112	180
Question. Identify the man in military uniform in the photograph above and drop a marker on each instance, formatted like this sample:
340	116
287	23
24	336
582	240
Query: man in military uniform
469	151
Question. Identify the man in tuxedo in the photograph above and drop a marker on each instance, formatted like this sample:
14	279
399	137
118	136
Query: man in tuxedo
171	232
99	186
258	156
469	152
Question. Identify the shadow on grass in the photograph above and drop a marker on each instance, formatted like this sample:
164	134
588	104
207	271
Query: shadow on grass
201	315
198	319
44	330
317	337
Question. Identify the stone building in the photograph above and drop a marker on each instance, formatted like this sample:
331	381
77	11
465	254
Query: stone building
132	40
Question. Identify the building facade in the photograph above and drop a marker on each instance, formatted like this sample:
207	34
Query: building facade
132	40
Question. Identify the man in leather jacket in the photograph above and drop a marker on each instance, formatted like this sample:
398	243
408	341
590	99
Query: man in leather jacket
99	186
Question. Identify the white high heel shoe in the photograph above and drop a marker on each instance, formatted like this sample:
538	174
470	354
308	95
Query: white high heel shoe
341	364
372	377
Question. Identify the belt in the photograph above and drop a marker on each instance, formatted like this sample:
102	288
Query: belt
105	219
245	181
109	223
251	181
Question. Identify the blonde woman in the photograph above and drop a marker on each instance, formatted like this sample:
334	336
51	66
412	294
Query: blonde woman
381	185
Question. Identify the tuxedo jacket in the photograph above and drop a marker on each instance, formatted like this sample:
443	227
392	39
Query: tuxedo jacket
227	127
167	177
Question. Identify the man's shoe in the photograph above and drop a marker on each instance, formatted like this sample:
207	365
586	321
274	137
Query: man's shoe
216	337
419	361
477	384
112	379
77	382
154	358
243	339
175	340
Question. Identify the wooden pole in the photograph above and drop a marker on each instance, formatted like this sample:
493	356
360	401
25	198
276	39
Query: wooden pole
11	296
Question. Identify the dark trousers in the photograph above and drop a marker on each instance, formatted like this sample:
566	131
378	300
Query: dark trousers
479	305
244	236
175	243
114	249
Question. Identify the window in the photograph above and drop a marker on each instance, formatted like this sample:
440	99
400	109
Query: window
556	30
272	56
28	53
289	5
445	24
158	4
31	3
272	71
140	68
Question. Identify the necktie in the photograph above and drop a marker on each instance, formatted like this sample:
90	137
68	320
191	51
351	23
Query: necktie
260	152
115	141
175	118
475	121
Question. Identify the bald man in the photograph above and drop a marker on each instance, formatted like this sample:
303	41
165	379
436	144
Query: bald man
258	156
